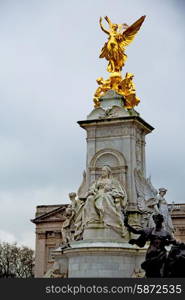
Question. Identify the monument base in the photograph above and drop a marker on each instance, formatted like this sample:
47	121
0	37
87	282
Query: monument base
89	259
98	232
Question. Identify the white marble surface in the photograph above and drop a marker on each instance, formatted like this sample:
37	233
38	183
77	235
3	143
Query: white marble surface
103	244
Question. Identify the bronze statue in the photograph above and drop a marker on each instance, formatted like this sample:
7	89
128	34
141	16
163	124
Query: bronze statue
175	263
156	255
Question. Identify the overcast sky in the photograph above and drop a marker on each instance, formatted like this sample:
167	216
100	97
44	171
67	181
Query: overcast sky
48	69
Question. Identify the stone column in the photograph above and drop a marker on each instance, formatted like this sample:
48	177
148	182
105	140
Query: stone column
119	143
40	258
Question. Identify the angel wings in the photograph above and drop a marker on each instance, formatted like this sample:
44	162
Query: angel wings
119	38
146	193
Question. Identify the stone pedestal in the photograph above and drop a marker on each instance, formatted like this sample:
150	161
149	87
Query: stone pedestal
115	137
103	259
98	232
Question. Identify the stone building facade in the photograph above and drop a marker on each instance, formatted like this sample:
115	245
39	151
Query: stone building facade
49	219
178	218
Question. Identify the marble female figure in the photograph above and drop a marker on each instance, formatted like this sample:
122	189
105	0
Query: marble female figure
164	210
105	201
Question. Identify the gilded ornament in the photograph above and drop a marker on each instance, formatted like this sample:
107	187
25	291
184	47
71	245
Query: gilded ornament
119	37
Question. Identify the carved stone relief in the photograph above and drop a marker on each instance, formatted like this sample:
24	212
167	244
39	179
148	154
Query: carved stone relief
107	159
138	154
112	158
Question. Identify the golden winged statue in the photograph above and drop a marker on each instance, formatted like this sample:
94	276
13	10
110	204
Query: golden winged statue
119	37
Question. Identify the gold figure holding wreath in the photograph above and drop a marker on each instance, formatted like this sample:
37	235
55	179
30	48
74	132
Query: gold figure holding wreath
120	36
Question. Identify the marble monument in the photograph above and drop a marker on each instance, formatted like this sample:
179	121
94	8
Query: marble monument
114	187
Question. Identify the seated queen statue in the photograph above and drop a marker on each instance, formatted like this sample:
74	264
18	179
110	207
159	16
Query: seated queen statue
105	202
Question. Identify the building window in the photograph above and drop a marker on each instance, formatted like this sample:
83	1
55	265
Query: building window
50	249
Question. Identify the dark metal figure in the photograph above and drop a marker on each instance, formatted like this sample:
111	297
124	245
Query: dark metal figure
175	263
156	254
